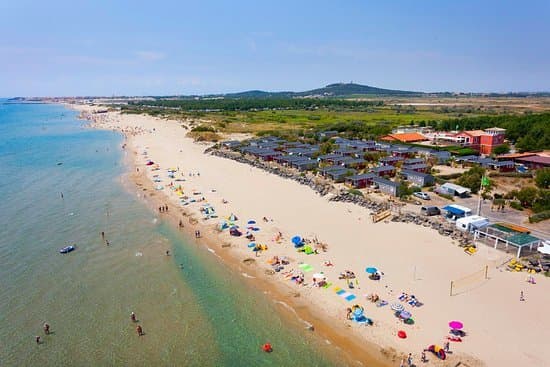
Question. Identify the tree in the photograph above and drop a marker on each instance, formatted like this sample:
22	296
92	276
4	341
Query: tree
527	196
542	202
472	178
501	149
542	178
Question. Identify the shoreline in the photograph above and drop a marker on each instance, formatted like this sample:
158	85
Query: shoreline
365	354
314	304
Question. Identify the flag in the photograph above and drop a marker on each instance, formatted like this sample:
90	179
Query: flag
485	181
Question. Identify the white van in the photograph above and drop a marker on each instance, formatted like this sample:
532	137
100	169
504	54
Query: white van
471	223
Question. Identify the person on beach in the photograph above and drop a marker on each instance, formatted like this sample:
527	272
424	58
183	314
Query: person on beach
46	328
521	297
402	364
133	317
102	234
37	338
166	207
410	360
139	330
107	242
181	224
423	357
446	347
167	252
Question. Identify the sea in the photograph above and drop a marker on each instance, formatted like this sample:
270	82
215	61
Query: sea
63	183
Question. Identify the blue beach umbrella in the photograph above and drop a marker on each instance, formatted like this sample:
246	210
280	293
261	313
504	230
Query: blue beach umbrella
251	222
252	244
371	270
297	240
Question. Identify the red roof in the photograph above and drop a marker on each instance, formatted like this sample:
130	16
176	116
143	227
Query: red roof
405	137
535	159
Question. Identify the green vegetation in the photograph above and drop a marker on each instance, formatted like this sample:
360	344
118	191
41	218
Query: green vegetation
501	149
355	192
542	178
539	217
472	179
255	104
538	200
516	205
289	115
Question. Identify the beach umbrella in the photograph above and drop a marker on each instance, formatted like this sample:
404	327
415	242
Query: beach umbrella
397	307
297	240
319	276
233	217
371	270
251	222
252	244
405	314
456	325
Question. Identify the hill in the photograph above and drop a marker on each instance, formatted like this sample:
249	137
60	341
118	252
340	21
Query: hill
331	90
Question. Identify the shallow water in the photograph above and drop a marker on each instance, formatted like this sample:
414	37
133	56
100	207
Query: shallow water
201	315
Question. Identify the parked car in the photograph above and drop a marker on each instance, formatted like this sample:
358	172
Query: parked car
430	210
422	195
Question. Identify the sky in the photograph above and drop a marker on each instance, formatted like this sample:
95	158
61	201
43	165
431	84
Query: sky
120	47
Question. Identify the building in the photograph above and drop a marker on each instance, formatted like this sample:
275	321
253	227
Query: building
405	137
337	173
360	181
231	144
535	162
454	190
304	164
384	171
389	161
484	141
357	163
386	186
413	161
419	179
419	167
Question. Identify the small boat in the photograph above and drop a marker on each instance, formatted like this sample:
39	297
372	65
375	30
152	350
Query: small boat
67	249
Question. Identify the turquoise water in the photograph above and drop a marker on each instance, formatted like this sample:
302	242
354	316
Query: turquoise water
201	315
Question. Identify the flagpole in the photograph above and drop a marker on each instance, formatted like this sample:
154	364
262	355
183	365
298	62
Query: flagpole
484	182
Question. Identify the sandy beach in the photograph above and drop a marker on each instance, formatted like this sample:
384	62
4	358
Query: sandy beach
500	329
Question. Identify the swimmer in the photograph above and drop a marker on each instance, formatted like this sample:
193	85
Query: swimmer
133	317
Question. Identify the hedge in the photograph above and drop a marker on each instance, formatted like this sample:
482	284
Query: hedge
539	216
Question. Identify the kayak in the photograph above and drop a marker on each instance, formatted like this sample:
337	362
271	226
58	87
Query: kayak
67	249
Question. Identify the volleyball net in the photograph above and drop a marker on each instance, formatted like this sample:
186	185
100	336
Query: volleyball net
469	281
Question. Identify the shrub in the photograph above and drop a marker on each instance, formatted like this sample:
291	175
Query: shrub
355	192
539	217
542	178
516	205
446	196
451	176
203	128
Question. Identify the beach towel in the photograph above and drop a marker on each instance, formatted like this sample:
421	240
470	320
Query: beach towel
345	295
306	267
327	286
